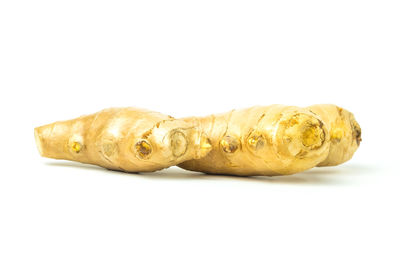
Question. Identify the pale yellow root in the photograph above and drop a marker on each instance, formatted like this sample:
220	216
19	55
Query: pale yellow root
126	139
272	140
344	133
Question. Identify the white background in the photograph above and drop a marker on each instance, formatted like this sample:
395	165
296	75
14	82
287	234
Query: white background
62	59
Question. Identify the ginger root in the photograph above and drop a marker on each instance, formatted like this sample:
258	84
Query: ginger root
276	140
262	140
126	139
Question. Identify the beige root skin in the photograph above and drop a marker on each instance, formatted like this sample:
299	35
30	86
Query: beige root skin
276	140
345	133
272	140
126	139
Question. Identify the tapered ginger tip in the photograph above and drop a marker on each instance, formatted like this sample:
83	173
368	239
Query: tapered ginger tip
38	141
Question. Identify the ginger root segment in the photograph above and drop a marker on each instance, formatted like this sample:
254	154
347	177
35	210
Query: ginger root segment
271	140
345	133
126	139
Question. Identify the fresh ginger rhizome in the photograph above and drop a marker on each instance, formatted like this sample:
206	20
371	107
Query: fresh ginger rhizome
261	140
